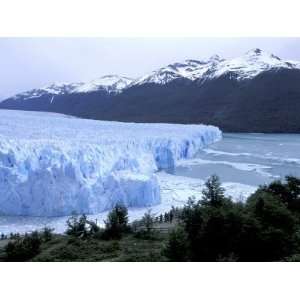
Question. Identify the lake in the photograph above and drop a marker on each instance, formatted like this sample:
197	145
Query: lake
251	159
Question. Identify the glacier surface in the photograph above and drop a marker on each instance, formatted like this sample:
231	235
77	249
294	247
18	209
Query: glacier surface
53	165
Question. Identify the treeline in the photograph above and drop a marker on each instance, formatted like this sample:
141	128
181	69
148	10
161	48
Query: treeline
214	228
79	228
265	228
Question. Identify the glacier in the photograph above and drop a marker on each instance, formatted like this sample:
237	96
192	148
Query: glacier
54	165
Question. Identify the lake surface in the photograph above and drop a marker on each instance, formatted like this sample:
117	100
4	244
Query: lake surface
251	159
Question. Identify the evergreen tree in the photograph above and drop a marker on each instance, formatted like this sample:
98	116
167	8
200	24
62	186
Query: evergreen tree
117	222
177	247
47	234
213	193
148	221
161	218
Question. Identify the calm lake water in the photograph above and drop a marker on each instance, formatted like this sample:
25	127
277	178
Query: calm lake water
251	159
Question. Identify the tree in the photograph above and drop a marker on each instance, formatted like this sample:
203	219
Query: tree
94	229
213	193
288	192
77	227
47	234
171	215
117	222
277	235
161	218
82	227
148	221
177	246
266	228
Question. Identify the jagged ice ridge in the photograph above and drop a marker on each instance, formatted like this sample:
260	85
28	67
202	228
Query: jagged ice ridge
53	165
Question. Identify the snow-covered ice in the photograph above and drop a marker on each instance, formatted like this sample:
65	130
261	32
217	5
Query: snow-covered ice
52	165
175	191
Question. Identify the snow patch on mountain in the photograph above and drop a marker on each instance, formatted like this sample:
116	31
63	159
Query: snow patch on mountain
249	65
109	83
189	69
52	165
52	89
244	67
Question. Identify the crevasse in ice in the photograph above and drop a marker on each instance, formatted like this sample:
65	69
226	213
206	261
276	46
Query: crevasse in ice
53	165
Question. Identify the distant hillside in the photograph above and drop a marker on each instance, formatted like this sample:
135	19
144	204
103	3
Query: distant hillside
257	92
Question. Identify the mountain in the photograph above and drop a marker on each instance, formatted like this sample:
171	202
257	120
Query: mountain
111	84
256	92
69	98
190	69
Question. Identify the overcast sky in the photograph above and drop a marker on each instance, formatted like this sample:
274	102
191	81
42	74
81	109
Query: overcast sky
27	63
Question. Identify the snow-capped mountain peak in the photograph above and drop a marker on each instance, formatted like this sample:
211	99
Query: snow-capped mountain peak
52	89
58	88
249	65
260	55
215	58
189	69
110	83
244	67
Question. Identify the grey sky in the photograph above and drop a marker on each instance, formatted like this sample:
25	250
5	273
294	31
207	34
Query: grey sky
27	63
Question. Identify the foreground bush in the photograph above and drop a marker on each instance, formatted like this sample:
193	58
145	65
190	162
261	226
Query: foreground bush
117	223
177	247
23	248
265	228
81	227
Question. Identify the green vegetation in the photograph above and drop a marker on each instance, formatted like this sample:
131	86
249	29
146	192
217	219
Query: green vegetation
264	228
117	223
23	248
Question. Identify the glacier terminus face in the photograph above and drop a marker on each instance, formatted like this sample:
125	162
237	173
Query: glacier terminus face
54	165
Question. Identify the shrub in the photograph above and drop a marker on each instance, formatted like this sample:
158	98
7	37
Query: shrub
148	221
117	223
288	192
77	226
47	234
276	228
177	246
82	227
266	228
23	248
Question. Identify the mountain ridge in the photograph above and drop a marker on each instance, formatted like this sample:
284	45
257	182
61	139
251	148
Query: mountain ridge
255	92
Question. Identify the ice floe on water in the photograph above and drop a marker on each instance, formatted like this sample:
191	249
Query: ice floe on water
260	169
268	156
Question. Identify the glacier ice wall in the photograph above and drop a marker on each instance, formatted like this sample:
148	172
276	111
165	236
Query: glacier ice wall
53	165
